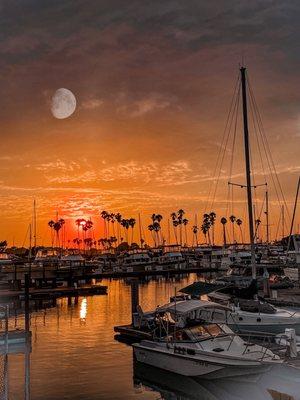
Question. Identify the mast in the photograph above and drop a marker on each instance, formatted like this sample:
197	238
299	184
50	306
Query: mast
140	230
282	215
248	171
34	223
294	213
267	217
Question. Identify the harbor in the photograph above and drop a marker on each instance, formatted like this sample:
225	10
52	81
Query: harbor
149	197
82	339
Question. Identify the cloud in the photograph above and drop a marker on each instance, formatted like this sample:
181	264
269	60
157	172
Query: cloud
91	104
151	103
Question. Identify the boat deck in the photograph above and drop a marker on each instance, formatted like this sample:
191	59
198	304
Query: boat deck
131	332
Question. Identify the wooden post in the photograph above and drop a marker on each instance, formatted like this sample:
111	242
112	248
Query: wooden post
27	316
134	296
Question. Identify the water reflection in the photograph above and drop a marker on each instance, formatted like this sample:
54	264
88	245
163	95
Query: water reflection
83	310
279	383
72	360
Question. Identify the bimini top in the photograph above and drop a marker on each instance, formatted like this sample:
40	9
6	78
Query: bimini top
187	307
183	312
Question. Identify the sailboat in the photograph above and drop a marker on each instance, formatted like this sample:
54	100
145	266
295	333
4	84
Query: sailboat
253	315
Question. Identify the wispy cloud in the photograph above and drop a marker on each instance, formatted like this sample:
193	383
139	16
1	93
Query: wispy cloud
145	105
91	104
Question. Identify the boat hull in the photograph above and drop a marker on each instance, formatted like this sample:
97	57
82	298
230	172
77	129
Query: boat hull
194	367
272	328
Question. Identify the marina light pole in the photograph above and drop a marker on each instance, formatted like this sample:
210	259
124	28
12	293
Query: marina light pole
248	171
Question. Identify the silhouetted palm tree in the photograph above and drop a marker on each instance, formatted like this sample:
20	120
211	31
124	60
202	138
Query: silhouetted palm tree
118	218
195	233
232	220
131	223
206	224
239	223
212	219
185	222
151	230
224	222
51	225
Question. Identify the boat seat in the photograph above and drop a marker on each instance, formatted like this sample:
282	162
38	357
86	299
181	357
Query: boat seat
218	349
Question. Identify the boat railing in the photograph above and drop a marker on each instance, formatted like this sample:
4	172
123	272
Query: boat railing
266	341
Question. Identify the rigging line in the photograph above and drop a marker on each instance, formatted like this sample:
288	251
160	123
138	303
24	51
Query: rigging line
257	139
269	151
222	141
23	244
232	151
265	150
233	147
224	151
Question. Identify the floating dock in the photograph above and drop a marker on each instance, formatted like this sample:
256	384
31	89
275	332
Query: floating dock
47	293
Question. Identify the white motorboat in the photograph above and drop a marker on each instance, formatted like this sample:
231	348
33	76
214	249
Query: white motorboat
251	316
197	349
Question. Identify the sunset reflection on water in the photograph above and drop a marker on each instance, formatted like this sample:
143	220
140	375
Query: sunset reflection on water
75	354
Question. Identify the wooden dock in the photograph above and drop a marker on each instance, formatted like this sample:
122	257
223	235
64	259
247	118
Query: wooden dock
46	293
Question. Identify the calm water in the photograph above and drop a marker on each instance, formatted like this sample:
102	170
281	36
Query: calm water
75	356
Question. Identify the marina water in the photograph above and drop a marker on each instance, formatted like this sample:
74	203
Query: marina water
75	355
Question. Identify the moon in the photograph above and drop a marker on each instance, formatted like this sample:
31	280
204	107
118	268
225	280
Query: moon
63	103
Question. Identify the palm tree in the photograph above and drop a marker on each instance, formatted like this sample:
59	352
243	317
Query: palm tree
180	214
206	226
156	228
151	229
175	225
118	218
204	230
103	215
239	223
232	220
131	223
51	225
212	219
224	222
77	241
57	227
125	224
195	233
185	222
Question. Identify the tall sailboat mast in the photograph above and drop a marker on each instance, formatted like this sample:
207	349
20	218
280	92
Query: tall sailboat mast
248	170
34	223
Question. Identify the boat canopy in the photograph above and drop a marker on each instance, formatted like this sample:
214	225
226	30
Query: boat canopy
201	288
188	306
183	312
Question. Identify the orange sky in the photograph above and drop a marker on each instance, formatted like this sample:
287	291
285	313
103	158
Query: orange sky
153	84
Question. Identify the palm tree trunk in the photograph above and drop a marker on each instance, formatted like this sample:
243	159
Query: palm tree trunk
209	242
241	232
175	234
224	235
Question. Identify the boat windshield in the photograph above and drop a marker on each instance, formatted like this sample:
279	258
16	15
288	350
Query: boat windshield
205	331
